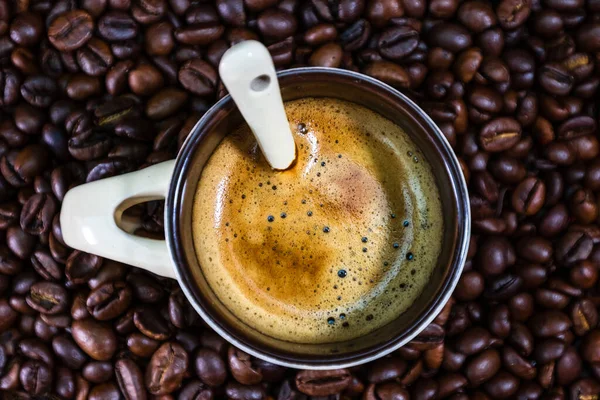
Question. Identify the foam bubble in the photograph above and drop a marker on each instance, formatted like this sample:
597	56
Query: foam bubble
273	244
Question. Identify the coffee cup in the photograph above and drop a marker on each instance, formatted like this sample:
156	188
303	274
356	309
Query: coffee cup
92	221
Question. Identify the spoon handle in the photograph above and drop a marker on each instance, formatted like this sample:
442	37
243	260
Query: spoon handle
248	73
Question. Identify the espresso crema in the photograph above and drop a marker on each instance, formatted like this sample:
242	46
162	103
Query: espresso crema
331	249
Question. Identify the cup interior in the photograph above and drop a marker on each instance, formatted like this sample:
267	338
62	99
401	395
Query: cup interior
321	82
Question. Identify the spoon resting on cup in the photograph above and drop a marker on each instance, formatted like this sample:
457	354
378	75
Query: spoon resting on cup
248	73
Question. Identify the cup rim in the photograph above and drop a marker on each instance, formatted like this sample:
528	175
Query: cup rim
173	198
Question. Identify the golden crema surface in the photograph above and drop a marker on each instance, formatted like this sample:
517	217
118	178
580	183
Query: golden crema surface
330	249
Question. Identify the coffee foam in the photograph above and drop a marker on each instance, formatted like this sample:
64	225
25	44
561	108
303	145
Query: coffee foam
360	199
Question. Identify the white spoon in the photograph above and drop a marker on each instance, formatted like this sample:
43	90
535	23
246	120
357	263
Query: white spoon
248	73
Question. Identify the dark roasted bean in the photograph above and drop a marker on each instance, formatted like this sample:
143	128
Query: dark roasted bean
166	369
130	379
71	30
117	26
109	300
47	298
68	352
97	339
35	377
210	367
198	77
398	42
322	383
151	323
98	371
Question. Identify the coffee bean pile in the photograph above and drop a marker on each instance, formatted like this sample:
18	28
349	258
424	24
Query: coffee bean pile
95	88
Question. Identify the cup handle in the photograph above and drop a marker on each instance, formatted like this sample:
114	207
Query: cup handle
91	218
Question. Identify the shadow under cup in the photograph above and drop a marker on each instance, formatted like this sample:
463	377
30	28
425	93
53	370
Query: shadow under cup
222	119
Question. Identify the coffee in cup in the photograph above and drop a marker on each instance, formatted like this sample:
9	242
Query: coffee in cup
332	248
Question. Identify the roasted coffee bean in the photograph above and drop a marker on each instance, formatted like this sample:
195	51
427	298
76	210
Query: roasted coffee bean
104	391
568	367
535	249
97	339
470	286
89	145
39	90
473	340
387	369
210	367
95	57
503	385
35	377
483	366
500	134
328	55
130	379
584	275
117	26
9	214
586	37
503	287
98	371
499	321
165	103
124	324
9	263
232	12
521	306
450	383
19	242
141	345
10	82
236	391
276	24
109	300
573	246
151	323
555	79
398	42
390	73
476	16
166	369
26	28
35	349
240	365
529	196
322	383
65	383
386	391
109	167
549	323
584	316
198	77
68	352
583	206
196	390
37	213
145	80
512	13
145	288
82	266
496	254
71	30
517	364
47	298
449	36
320	34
